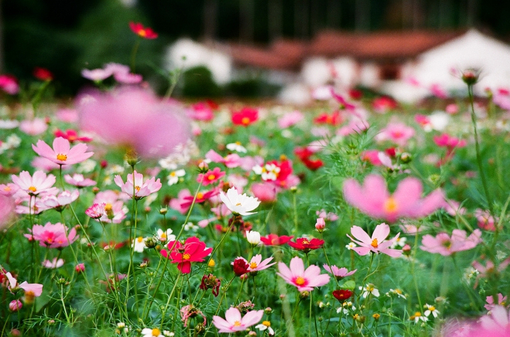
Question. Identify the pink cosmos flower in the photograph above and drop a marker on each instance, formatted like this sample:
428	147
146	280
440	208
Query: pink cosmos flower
53	264
490	301
233	321
339	273
256	263
96	75
110	204
450	142
78	180
6	210
141	188
210	177
179	203
376	243
62	153
304	280
397	133
201	111
354	126
374	199
52	236
9	84
489	267
33	127
485	220
8	189
265	192
193	250
445	245
134	117
61	200
230	161
36	184
290	119
497	322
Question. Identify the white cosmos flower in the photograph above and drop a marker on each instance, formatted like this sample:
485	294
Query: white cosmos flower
253	237
236	147
139	245
239	203
173	177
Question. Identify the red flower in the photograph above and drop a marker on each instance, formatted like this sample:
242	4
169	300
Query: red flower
71	136
211	282
43	74
342	294
240	266
275	240
193	250
245	117
304	155
334	119
306	245
146	33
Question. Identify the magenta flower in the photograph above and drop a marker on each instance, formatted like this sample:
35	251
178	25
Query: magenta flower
445	245
233	321
193	250
374	199
210	177
52	236
141	188
36	184
62	153
256	263
497	321
338	273
304	280
376	243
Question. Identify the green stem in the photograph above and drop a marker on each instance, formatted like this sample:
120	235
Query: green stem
163	316
133	55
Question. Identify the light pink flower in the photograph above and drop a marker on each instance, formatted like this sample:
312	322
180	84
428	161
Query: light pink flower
53	264
233	321
33	127
374	199
265	192
6	210
376	243
230	161
256	263
96	75
67	115
490	301
497	321
397	133
52	235
339	273
354	126
136	118
304	280
78	180
60	201
62	153
36	184
445	245
489	267
141	189
34	288
177	203
290	119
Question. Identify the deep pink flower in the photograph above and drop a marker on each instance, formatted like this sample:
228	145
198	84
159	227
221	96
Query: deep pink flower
230	161
445	140
306	244
133	117
339	273
141	188
256	263
9	84
210	177
376	243
290	119
245	116
445	245
62	153
275	240
201	111
193	250
36	184
52	236
71	136
304	280
374	199
233	321
143	32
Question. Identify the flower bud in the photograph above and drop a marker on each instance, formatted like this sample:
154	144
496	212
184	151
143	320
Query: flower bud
253	237
79	268
15	305
320	225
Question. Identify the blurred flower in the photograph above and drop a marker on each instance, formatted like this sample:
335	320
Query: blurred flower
6	210
290	119
62	153
141	188
9	84
42	74
236	147
239	203
431	310
173	177
143	32
265	192
368	290
303	280
338	273
165	236
397	133
71	136
147	332
275	240
210	177
490	301
138	244
374	199
15	305
376	243
33	127
53	264
78	180
384	104
445	245
136	118
193	250
233	321
245	116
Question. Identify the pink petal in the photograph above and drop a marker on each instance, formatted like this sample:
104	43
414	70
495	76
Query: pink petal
381	232
61	145
233	315
361	235
296	266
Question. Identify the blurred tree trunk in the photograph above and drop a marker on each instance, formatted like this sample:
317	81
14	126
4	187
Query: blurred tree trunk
275	19
210	18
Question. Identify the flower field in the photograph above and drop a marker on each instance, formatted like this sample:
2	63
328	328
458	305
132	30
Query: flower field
125	213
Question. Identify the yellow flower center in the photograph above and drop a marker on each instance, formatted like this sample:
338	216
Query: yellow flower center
163	235
417	314
253	265
237	323
137	188
156	332
432	308
266	323
173	174
61	157
7	189
374	243
186	256
139	239
32	188
305	242
211	177
245	121
390	205
142	33
238	204
300	281
108	207
200	195
398	291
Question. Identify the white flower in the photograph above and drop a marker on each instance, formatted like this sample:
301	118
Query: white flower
166	236
253	237
86	166
417	317
8	124
265	325
369	289
173	177
139	244
396	292
351	245
236	147
398	242
267	172
239	203
430	310
168	333
190	226
346	308
151	332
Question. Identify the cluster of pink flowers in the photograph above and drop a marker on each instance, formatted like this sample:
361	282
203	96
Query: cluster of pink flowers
52	235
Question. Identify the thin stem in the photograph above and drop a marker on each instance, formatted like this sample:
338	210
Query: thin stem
163	316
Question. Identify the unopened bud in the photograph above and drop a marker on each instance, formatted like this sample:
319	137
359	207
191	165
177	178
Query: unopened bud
320	225
15	305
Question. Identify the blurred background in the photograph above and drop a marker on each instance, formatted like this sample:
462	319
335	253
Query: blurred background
68	36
